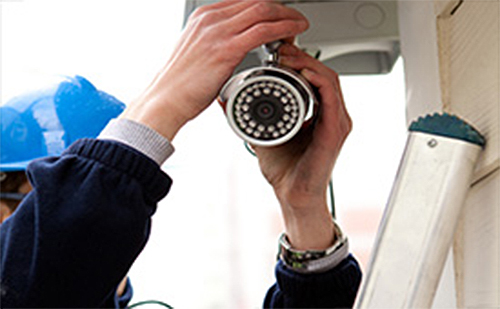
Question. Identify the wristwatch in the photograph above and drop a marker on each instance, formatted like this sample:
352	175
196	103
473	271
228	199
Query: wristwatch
314	261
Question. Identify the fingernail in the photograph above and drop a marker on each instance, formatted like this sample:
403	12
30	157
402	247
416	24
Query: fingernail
289	49
304	24
307	73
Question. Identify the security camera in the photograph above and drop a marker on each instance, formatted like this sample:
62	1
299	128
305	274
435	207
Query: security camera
267	105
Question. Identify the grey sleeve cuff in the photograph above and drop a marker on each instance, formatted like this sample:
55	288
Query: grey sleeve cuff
140	137
330	261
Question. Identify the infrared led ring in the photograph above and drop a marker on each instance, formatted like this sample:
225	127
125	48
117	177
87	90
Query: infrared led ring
266	110
267	106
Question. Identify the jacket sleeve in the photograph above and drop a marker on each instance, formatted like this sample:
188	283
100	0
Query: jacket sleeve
75	236
335	288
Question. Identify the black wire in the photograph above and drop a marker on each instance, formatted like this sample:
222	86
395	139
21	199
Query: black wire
150	302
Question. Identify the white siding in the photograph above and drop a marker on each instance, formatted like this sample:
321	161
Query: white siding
451	52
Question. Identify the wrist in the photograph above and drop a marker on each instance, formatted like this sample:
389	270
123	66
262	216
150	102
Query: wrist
314	260
166	119
309	226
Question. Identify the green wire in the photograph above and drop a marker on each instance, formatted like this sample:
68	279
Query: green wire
330	183
249	149
150	302
332	199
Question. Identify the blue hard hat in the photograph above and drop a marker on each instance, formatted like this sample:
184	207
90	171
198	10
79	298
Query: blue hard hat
45	122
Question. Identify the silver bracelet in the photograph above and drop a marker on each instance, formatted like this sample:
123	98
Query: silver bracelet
314	261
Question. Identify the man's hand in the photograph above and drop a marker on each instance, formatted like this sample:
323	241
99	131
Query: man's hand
216	39
300	170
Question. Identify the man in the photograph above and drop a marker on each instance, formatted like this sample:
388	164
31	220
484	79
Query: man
43	123
101	193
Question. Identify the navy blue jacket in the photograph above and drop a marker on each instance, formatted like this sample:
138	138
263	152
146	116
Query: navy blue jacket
76	235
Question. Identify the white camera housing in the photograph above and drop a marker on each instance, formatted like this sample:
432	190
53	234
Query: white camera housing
267	105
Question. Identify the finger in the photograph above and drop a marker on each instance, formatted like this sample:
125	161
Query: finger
290	40
289	50
206	17
232	5
324	85
333	107
268	32
294	58
261	12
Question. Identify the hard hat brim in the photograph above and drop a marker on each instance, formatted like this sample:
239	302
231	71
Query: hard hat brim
14	167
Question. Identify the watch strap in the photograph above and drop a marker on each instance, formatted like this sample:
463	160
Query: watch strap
314	261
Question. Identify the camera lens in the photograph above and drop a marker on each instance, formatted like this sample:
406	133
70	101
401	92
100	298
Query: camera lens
267	110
